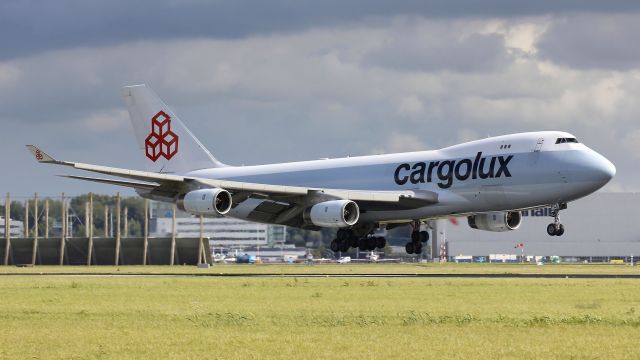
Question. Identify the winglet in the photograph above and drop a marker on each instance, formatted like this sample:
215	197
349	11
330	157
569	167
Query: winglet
40	155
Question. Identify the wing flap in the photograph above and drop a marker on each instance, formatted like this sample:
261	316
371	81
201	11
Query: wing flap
126	183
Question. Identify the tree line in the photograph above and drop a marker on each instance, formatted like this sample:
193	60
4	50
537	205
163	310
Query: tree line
77	212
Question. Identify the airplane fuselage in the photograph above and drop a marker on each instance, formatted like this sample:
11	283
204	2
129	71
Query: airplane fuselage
499	173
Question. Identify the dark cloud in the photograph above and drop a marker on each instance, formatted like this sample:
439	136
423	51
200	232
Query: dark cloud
32	26
593	42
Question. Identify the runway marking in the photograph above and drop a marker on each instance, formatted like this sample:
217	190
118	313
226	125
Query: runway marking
322	275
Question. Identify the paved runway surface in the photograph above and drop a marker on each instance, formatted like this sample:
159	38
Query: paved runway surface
395	275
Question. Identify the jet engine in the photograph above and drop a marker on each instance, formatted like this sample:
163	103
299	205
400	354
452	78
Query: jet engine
206	202
496	221
333	213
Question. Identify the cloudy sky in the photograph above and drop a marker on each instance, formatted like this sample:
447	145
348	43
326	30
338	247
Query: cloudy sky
273	81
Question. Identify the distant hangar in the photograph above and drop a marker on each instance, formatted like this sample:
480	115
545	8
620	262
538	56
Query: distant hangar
600	225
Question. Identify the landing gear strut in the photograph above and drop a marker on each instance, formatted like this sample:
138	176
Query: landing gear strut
417	239
347	238
556	228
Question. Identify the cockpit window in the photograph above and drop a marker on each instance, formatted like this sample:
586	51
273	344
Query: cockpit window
566	140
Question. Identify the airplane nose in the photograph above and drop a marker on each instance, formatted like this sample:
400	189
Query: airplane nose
608	169
603	170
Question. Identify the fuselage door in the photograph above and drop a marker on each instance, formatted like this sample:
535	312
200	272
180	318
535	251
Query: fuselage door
538	145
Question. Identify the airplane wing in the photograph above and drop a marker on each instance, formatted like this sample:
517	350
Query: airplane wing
280	202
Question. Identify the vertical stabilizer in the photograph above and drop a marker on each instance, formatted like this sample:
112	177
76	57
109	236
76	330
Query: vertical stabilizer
165	143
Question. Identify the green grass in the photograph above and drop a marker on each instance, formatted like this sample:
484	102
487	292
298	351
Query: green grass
229	318
363	268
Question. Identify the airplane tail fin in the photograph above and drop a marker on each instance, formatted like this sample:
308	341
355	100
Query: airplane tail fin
166	143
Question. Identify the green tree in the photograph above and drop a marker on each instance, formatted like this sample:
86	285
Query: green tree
135	228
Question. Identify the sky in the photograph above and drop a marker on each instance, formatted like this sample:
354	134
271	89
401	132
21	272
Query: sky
274	81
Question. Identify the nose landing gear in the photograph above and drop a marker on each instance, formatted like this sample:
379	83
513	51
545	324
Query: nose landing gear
556	228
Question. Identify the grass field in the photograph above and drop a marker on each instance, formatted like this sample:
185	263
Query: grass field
363	268
228	318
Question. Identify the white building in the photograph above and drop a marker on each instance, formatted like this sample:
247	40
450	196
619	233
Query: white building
222	232
17	227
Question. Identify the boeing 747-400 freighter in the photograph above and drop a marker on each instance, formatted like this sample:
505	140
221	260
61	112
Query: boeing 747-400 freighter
489	181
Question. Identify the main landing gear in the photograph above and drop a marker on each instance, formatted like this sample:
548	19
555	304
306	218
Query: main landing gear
347	238
556	228
417	239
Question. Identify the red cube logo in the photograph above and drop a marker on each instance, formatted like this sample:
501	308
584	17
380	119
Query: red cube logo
152	145
162	141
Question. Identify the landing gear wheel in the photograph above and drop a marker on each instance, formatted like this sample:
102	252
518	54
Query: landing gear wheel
353	241
409	247
417	249
344	246
424	236
372	243
334	245
555	230
362	244
381	242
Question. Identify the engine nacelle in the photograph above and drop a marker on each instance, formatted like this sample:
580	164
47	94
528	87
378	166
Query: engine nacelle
333	213
206	202
496	221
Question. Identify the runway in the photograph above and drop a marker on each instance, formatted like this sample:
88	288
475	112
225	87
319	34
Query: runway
333	275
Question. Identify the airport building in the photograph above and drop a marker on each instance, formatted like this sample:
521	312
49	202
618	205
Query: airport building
598	227
17	227
221	232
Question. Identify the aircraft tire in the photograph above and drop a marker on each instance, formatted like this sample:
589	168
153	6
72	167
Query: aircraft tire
362	244
381	242
372	242
344	246
417	249
334	245
560	231
424	236
353	241
551	229
409	247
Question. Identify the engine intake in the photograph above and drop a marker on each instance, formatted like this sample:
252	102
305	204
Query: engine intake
213	201
496	221
333	214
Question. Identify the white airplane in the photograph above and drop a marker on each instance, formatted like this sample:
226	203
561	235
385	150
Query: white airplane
487	180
